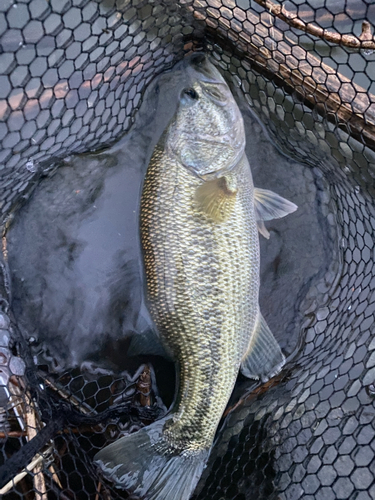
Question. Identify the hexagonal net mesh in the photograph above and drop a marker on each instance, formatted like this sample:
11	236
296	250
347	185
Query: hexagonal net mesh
72	77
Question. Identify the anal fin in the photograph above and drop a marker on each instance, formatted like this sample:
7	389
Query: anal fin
263	358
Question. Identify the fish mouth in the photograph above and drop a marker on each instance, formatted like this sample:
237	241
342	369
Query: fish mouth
208	77
198	58
207	71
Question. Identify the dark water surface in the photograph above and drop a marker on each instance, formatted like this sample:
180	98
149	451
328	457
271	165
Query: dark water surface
74	249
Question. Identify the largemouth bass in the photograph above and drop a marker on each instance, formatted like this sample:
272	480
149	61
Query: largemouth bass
200	216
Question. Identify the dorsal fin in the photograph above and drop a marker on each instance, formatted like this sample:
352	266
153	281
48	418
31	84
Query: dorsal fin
269	205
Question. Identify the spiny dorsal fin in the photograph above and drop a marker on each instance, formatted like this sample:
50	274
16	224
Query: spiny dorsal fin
217	197
269	205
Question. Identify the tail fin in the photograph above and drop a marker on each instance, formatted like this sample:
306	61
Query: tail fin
144	464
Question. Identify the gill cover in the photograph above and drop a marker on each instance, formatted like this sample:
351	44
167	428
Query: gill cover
207	133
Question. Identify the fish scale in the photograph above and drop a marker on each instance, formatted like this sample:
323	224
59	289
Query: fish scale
214	294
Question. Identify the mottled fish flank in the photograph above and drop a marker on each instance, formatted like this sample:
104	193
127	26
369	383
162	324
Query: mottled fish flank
200	217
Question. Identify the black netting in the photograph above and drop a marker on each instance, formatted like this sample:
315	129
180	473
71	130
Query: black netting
74	76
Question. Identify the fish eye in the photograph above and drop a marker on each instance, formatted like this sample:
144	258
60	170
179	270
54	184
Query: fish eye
192	94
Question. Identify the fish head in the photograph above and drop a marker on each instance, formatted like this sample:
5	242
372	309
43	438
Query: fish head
207	133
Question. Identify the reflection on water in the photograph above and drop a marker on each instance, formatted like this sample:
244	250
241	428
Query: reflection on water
75	255
339	17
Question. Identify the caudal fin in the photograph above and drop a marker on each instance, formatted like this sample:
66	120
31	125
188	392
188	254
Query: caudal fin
144	464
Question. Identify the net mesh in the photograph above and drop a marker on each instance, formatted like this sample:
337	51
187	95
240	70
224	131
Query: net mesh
72	76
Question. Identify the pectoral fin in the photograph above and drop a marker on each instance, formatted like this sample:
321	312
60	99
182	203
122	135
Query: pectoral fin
269	205
263	358
217	197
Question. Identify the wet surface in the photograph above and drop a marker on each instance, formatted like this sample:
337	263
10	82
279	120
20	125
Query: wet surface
297	250
79	267
70	88
75	256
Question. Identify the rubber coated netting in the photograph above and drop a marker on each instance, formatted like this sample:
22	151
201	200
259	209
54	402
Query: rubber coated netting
73	74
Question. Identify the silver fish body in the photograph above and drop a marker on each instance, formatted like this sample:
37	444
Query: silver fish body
200	217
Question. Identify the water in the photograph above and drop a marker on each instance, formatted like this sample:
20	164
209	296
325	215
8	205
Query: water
76	271
75	256
77	242
358	66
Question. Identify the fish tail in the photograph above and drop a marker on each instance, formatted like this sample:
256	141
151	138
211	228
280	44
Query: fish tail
145	464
